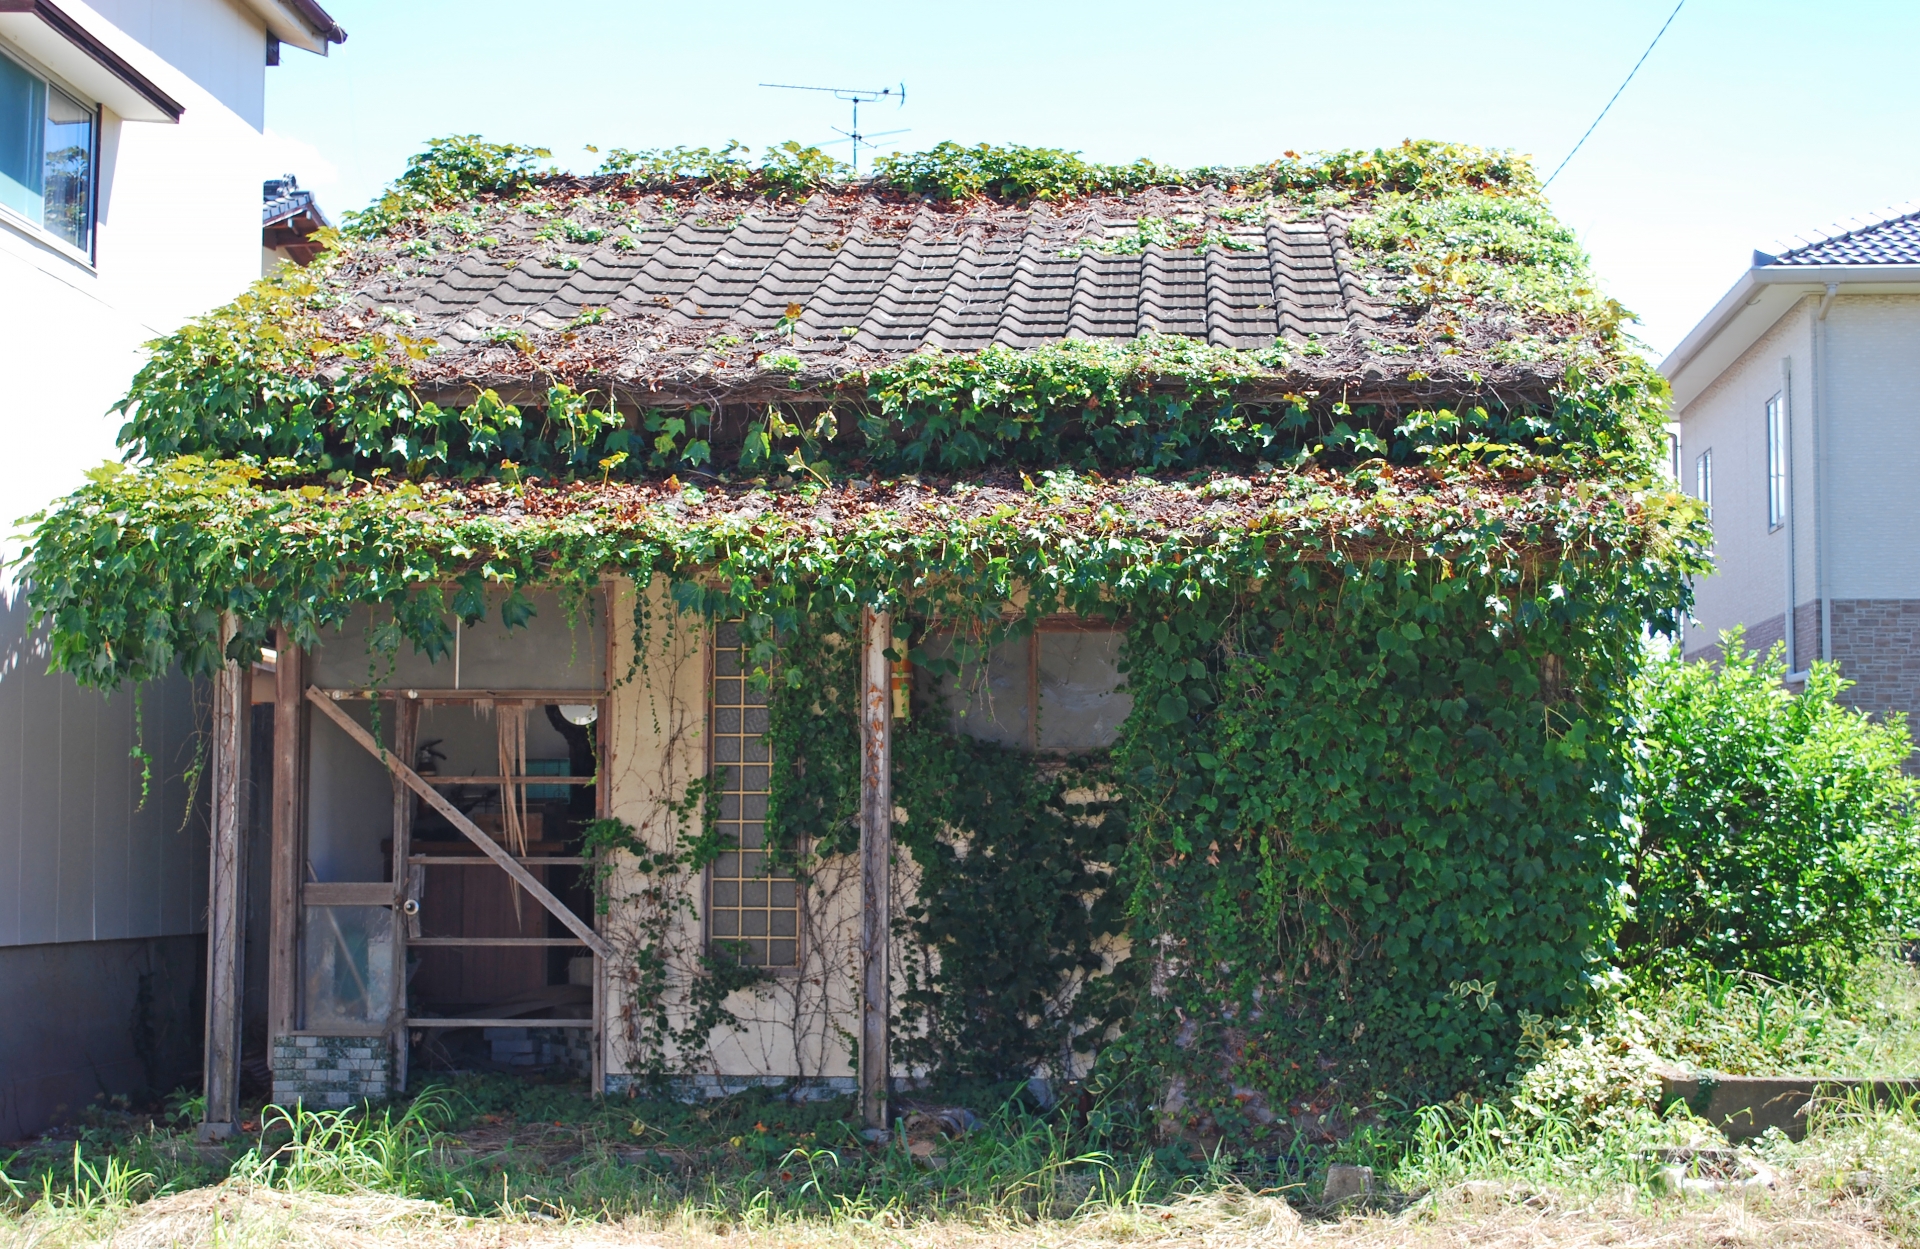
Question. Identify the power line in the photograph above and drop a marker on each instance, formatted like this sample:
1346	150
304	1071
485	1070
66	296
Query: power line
1616	95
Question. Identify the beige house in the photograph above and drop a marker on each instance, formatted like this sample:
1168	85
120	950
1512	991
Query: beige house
1799	419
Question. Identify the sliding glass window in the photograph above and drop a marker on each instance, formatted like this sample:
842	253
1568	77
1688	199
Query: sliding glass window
46	155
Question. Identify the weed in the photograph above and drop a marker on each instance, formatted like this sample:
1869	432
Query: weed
344	1151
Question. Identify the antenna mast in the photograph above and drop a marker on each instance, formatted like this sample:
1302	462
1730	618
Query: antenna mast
855	96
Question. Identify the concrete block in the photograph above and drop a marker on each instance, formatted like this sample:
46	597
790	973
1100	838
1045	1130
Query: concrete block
1746	1106
1344	1183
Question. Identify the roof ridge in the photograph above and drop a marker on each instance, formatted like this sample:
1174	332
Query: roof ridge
1785	248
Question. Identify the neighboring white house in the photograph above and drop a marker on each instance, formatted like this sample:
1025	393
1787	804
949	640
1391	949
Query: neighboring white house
1799	414
131	158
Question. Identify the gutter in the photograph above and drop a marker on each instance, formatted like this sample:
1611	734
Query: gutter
302	23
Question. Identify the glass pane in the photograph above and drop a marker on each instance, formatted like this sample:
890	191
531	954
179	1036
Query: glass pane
23	115
69	168
1081	706
347	966
991	706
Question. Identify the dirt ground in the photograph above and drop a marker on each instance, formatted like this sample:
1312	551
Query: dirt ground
231	1216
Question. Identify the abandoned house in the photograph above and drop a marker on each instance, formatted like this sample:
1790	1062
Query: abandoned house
722	628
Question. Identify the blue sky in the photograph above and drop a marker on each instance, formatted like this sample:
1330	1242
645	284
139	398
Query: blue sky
1753	120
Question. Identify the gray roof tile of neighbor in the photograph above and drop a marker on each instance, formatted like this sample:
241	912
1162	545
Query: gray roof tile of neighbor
1887	238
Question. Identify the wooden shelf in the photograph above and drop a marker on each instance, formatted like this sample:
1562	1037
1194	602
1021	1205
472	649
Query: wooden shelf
571	698
474	860
502	780
499	1023
455	942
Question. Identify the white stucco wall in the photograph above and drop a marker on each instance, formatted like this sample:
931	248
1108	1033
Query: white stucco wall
178	207
797	1023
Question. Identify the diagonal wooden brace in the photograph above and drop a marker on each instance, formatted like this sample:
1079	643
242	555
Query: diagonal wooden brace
488	845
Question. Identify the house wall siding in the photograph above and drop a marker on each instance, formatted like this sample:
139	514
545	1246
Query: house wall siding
1856	454
95	884
1872	452
1748	584
89	1018
796	1026
83	855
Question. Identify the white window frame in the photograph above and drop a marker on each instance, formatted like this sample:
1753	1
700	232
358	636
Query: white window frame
1776	462
37	230
1703	480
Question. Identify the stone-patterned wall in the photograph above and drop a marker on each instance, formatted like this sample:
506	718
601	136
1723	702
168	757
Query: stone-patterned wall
1760	637
1877	644
567	1048
1806	635
329	1072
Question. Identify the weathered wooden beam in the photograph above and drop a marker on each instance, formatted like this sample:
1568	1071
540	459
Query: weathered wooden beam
488	845
226	891
285	855
876	854
406	726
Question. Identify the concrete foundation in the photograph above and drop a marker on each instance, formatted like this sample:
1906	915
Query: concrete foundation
698	1088
91	1019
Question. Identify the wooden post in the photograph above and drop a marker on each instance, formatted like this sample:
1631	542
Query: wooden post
876	853
226	890
289	792
406	724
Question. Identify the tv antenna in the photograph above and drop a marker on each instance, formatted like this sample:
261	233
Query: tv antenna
855	96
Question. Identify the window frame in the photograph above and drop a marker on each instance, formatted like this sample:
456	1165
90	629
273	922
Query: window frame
37	230
1703	480
1064	623
711	651
1776	419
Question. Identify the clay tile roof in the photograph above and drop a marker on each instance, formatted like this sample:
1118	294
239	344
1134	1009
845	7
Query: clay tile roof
679	296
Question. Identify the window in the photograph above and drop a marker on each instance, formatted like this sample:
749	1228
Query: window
750	911
1776	462
1057	689
46	155
1703	480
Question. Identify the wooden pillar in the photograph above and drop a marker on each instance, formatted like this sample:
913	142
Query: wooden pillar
876	852
289	796
406	725
226	890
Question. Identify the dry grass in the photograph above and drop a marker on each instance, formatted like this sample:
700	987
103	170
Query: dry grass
238	1216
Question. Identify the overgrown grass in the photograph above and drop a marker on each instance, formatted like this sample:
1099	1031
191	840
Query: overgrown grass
1748	1025
1582	1122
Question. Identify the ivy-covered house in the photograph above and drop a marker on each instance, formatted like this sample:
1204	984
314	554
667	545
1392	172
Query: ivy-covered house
1006	616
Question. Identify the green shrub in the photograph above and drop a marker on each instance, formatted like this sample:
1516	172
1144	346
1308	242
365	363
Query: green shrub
1777	832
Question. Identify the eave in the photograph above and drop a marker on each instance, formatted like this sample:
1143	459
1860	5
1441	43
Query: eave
1763	295
70	51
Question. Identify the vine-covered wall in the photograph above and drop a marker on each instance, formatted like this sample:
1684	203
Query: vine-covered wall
1376	823
1358	826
